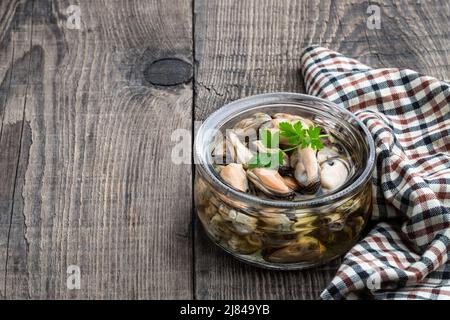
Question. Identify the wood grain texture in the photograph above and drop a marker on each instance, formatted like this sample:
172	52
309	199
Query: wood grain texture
86	173
85	123
254	46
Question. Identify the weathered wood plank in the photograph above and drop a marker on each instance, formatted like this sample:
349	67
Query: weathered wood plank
96	186
15	60
254	46
86	175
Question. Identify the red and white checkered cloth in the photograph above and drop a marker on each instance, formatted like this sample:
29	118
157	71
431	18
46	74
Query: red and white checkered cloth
406	256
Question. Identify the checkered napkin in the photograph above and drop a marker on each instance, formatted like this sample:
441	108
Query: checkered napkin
406	255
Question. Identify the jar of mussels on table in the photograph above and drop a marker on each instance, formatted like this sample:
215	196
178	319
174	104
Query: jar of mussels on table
283	180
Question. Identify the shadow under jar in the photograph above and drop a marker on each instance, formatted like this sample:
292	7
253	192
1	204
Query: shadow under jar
286	234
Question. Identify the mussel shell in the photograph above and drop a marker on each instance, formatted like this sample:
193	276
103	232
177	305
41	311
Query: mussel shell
218	228
239	222
250	126
334	222
292	118
286	170
291	183
340	238
277	240
277	223
311	188
305	225
244	245
305	249
287	116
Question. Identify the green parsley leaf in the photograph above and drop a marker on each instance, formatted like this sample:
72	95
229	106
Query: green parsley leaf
299	128
270	160
295	134
300	137
287	130
281	158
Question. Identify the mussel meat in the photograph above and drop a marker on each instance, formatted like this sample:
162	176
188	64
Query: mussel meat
234	174
333	173
277	223
245	245
305	249
241	222
249	126
218	228
307	172
270	182
327	153
241	153
292	118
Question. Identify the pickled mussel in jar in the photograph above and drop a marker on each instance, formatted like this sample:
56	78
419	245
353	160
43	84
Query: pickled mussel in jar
282	157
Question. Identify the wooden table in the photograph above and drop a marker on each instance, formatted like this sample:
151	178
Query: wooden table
87	111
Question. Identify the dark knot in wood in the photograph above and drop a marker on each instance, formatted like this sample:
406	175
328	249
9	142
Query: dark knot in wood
168	72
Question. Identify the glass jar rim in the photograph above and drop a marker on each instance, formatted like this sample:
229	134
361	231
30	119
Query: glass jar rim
233	109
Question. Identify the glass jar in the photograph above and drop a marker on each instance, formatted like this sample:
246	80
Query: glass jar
284	234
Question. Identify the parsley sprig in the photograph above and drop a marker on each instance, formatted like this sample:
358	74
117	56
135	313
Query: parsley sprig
296	135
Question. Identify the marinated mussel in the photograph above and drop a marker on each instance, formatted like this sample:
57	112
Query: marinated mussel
303	249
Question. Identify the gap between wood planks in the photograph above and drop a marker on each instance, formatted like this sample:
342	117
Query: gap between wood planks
194	96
